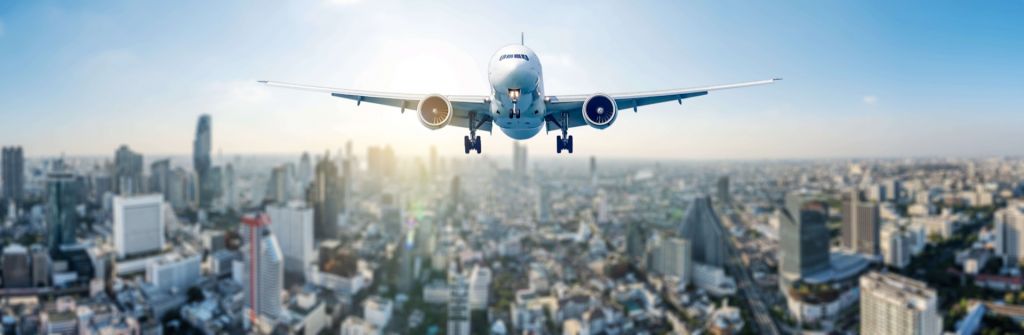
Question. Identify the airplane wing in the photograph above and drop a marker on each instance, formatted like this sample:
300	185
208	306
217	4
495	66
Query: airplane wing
462	105
574	103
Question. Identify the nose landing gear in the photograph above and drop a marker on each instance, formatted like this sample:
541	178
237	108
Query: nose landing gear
515	113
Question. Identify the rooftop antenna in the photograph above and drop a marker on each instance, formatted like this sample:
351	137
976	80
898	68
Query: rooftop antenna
522	38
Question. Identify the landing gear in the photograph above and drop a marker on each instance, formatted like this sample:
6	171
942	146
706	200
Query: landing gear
472	142
564	141
515	113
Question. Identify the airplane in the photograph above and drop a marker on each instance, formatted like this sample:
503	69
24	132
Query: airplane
517	104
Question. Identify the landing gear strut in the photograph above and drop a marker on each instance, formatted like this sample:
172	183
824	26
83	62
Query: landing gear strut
472	142
564	141
515	113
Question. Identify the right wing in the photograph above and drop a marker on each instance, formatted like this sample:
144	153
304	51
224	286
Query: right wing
462	105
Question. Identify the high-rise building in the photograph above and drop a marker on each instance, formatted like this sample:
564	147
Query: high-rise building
173	271
138	224
278	186
671	257
305	170
893	304
292	223
860	225
593	171
803	238
160	177
723	189
41	266
519	159
636	243
61	218
16	267
180	189
381	161
434	169
895	246
325	195
703	229
201	148
1009	233
458	300
479	287
230	192
13	167
268	268
391	216
127	171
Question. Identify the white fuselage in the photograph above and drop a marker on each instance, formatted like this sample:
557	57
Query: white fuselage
517	80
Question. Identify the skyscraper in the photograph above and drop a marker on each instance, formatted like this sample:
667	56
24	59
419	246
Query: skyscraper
325	196
702	227
518	159
723	189
803	238
13	174
893	304
127	171
160	177
268	269
458	300
860	225
671	257
61	219
138	224
636	243
593	171
292	224
16	267
201	147
1009	232
305	170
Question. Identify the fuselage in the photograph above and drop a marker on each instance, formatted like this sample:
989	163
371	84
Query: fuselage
517	81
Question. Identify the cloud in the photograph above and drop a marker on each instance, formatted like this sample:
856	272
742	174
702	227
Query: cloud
870	99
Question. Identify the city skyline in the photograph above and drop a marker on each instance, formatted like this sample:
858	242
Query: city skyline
858	83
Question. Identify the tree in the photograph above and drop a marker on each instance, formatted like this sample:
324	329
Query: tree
1008	298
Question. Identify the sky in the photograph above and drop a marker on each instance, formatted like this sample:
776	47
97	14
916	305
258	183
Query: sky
861	78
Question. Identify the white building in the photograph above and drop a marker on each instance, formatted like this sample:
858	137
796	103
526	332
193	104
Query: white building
479	287
895	246
893	304
173	271
672	257
1009	232
377	311
292	224
354	325
713	280
269	281
138	224
458	301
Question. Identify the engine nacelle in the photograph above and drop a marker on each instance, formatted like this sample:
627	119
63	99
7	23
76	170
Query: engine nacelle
435	112
599	111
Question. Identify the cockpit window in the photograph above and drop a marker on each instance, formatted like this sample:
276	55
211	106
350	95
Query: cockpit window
514	56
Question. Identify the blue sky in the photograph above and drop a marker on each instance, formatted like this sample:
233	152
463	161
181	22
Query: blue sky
862	78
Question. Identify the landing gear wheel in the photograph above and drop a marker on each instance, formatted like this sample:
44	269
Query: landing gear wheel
558	144
568	144
477	144
468	145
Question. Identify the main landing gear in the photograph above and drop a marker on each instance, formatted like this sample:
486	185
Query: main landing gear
472	142
563	142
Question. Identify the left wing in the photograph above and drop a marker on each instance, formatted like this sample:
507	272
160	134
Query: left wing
561	103
462	105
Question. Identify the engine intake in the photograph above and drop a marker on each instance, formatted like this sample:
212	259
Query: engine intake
435	112
599	111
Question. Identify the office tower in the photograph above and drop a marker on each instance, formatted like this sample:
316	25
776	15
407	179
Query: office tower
266	274
381	162
305	171
860	225
16	267
201	162
179	189
1009	233
636	243
518	159
127	171
13	167
174	271
455	195
325	196
391	216
672	257
215	183
723	190
292	224
138	224
160	177
897	305
41	266
803	238
61	217
593	171
543	204
479	287
230	192
278	185
703	229
377	311
458	300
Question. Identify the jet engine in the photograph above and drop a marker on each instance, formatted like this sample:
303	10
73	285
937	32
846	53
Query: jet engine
435	111
599	111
